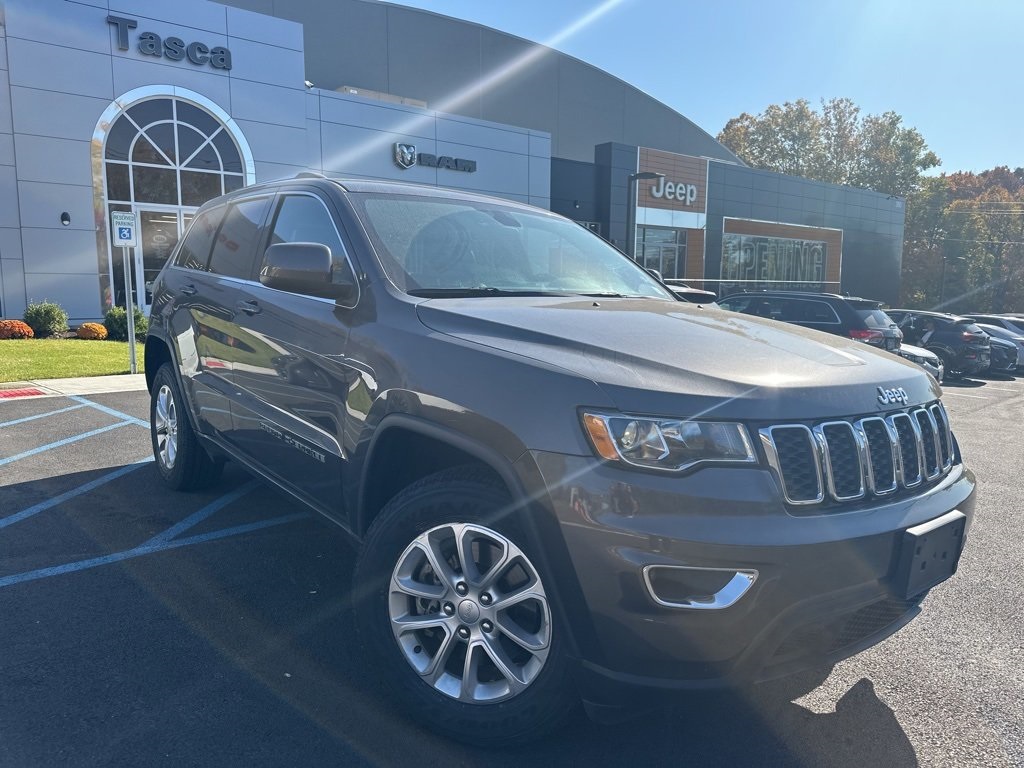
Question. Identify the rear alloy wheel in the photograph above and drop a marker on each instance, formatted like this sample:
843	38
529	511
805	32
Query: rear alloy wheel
457	611
182	462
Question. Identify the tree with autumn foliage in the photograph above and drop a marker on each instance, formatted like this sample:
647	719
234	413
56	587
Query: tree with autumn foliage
835	144
964	243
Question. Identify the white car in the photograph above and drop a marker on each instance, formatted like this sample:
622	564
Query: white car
927	360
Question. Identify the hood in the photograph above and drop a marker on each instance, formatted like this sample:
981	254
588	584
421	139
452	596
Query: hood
673	358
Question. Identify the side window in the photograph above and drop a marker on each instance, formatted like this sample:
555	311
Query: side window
195	250
304	219
234	251
818	312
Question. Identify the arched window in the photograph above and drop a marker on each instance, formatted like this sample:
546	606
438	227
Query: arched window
162	155
169	152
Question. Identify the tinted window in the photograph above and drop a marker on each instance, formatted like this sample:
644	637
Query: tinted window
874	318
195	250
233	253
814	312
304	219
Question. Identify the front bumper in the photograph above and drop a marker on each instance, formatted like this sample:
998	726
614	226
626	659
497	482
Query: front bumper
825	586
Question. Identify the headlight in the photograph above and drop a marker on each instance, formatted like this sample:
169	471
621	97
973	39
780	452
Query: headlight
914	358
670	444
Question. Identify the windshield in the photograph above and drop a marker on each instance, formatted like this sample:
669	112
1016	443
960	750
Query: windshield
430	246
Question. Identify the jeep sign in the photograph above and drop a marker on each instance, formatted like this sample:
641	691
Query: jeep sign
684	193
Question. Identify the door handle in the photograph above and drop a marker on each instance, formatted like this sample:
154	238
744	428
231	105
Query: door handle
189	290
249	307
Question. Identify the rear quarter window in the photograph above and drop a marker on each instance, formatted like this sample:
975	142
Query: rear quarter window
875	318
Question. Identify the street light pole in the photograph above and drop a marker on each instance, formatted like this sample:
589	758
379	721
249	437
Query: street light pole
631	208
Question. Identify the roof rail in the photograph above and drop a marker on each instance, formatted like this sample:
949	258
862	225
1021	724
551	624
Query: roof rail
309	175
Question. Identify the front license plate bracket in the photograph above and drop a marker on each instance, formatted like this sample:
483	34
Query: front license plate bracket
930	552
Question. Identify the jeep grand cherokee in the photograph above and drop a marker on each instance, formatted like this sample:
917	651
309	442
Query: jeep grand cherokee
563	482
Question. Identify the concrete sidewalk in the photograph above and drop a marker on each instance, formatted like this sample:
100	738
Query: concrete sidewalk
86	385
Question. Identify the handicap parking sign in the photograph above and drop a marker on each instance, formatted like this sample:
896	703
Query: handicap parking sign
123	225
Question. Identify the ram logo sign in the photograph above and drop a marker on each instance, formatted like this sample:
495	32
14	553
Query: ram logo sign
405	155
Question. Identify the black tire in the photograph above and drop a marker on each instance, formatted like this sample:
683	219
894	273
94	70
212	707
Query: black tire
947	364
182	461
452	498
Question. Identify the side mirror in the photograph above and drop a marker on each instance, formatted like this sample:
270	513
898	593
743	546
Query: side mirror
303	268
656	274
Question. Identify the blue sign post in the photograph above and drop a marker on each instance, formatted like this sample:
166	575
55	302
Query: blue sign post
124	228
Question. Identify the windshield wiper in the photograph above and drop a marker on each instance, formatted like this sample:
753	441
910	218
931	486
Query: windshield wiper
442	293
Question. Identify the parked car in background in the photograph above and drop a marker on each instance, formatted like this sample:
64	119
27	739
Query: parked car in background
927	360
1003	358
999	332
1009	322
962	346
691	294
849	316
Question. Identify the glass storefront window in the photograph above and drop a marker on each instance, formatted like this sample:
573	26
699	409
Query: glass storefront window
751	262
663	249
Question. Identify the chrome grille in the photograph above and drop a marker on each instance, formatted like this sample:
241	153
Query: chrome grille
847	460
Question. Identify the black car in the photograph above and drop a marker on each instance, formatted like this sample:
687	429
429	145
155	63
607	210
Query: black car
563	483
1003	357
849	316
1009	322
962	345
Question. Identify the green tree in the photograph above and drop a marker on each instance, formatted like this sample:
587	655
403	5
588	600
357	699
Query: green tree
834	144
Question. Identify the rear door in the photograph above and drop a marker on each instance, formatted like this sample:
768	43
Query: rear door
214	313
293	379
186	284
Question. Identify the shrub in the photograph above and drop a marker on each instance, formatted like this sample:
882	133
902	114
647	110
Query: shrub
92	331
116	322
15	329
46	318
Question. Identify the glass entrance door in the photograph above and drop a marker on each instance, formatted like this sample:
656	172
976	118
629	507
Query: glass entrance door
159	230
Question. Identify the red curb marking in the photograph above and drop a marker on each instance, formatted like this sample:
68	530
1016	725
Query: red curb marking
20	392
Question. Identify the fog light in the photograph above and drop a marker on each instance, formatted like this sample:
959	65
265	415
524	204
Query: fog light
681	586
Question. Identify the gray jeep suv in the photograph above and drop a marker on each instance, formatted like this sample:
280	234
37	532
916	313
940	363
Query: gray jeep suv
563	483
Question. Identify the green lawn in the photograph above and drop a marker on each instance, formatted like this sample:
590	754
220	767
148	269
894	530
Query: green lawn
27	359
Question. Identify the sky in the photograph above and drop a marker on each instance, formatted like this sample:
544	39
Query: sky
953	70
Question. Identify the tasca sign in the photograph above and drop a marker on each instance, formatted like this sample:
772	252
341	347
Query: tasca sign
173	48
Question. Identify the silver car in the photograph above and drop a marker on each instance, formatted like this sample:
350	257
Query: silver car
927	360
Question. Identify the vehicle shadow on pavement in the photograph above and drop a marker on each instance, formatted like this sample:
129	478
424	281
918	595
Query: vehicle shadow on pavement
250	640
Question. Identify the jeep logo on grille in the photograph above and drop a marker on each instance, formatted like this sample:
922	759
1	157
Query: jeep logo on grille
890	396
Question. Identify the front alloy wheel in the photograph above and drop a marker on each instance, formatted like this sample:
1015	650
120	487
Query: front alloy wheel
463	621
469	613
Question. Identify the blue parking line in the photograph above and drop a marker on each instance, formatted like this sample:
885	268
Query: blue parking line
110	411
197	517
41	415
146	549
53	502
65	441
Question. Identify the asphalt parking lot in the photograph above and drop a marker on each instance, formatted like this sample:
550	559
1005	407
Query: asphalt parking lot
140	627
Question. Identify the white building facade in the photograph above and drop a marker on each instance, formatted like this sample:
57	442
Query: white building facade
155	107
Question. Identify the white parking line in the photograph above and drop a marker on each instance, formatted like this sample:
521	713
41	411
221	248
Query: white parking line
947	393
1003	389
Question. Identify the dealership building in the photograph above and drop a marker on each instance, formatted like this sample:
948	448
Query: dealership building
153	107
